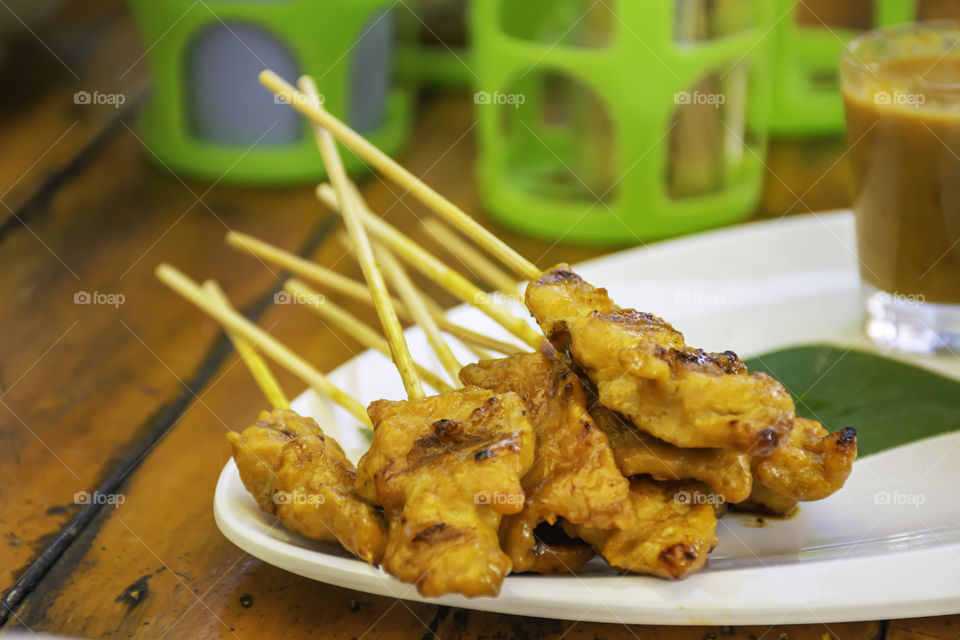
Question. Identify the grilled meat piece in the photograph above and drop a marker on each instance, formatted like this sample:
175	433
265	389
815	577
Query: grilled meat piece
303	477
574	475
811	463
643	369
725	471
672	534
446	468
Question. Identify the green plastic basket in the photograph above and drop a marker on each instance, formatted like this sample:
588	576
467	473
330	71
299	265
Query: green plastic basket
549	181
315	37
806	86
439	65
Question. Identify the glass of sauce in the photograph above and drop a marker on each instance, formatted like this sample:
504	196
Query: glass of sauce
901	89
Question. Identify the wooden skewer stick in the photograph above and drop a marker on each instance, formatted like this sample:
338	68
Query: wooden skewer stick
454	330
470	257
261	340
437	271
473	339
345	321
349	201
255	363
435	310
390	168
478	352
305	268
413	299
354	289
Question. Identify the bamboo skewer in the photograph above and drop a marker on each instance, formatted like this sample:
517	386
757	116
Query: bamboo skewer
304	268
467	337
389	167
349	208
437	271
345	321
471	341
354	289
423	311
478	352
413	299
255	363
261	340
471	258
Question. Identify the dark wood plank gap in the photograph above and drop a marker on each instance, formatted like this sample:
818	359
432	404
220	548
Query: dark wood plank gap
431	632
39	201
161	425
96	42
883	630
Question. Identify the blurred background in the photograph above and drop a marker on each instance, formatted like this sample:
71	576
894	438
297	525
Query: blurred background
593	122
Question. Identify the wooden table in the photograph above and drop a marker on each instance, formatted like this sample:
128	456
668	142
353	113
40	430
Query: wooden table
134	399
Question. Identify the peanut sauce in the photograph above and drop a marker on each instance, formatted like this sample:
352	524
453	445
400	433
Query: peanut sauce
905	156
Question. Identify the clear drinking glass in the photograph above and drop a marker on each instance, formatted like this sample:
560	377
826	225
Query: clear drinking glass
901	88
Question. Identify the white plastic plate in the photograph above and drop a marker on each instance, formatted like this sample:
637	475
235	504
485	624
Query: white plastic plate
886	546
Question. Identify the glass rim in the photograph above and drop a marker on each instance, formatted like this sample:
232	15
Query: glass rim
849	58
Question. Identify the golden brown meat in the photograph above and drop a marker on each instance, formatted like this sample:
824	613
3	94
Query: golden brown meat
672	535
643	369
725	471
810	463
303	478
574	475
766	501
445	469
537	547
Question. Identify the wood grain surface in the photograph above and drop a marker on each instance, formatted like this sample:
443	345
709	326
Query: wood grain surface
132	397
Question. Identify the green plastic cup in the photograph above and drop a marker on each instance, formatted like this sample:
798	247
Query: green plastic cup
208	117
622	121
806	85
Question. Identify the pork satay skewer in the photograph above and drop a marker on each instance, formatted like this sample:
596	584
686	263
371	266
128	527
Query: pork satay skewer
349	207
255	363
472	259
338	317
357	290
428	459
295	471
413	299
261	340
315	112
437	271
